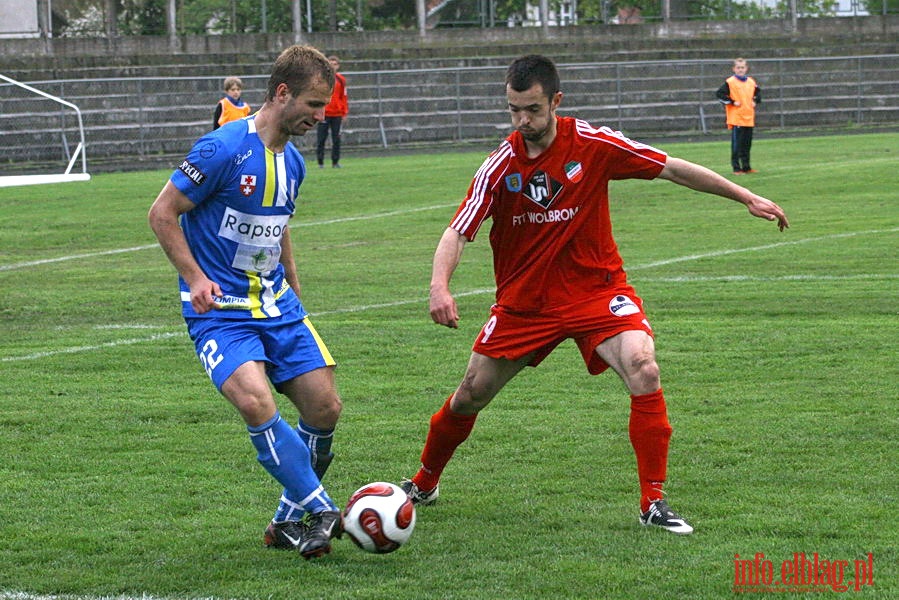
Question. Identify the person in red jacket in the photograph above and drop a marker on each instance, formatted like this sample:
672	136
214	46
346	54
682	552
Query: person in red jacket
335	114
740	94
231	107
559	276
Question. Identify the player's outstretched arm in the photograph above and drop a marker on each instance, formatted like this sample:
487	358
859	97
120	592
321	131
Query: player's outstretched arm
446	259
701	179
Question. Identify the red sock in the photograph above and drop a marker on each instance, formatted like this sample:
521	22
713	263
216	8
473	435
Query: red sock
448	430
650	432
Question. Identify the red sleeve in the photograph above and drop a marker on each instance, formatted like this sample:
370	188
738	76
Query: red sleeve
476	207
623	157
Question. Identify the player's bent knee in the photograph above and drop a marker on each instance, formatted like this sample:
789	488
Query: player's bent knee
466	402
649	372
645	379
255	410
333	408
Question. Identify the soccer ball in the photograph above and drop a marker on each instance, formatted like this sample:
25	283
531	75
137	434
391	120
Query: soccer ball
379	517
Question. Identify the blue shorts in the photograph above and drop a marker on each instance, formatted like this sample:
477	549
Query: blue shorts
289	346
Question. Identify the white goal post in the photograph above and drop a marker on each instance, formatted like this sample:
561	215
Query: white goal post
68	175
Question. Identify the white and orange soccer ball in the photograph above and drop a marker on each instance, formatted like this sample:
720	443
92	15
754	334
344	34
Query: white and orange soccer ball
379	517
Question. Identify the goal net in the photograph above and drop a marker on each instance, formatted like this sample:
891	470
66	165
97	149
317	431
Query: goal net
42	137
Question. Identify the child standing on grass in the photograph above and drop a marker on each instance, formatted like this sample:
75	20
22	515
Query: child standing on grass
231	107
740	94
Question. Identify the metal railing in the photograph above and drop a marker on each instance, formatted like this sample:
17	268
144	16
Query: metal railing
141	119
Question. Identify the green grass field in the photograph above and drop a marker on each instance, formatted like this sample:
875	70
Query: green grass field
125	475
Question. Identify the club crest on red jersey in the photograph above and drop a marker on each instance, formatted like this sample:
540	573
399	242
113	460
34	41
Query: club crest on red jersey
247	184
513	182
542	189
574	171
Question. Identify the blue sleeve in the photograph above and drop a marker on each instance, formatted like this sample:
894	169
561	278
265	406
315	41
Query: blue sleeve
202	173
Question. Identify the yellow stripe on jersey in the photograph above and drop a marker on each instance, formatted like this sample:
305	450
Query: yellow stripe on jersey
253	295
329	360
268	196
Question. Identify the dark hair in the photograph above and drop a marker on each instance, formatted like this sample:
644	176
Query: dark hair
524	72
299	67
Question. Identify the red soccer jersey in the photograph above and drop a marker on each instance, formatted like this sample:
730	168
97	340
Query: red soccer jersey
551	235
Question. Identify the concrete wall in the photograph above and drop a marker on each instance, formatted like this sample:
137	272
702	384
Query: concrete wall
15	53
139	122
144	104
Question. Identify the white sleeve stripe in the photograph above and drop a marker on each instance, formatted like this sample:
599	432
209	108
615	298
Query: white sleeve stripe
617	139
481	183
477	195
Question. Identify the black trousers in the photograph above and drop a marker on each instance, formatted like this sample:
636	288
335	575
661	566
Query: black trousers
332	125
740	145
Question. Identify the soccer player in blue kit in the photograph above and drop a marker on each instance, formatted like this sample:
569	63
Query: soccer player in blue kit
222	220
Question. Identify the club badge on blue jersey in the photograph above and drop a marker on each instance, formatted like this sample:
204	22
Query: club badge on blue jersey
247	184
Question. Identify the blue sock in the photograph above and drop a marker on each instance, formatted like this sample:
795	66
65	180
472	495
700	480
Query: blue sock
318	441
284	455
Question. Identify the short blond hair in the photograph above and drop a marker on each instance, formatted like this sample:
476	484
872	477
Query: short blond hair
232	82
299	67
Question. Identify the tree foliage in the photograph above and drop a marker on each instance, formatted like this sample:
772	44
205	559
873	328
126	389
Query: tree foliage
148	17
879	7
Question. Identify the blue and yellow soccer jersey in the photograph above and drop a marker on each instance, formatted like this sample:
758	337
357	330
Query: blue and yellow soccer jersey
245	195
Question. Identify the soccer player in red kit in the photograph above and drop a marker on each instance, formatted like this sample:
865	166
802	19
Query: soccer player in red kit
559	274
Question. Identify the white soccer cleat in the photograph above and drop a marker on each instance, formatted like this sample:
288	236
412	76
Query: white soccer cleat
660	515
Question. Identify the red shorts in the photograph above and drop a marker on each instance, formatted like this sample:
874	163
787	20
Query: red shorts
512	335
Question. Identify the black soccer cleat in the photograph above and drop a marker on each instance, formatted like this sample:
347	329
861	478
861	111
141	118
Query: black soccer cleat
284	535
320	528
660	515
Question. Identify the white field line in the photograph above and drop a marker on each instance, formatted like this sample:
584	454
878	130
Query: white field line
362	308
46	261
77	349
691	257
740	278
11	595
131	326
772	172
